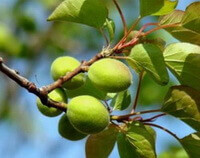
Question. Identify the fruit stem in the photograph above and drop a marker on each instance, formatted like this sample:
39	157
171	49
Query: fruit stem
137	92
164	129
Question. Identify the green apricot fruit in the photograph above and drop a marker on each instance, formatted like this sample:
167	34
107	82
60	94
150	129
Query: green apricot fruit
63	65
110	75
87	114
87	89
67	131
56	95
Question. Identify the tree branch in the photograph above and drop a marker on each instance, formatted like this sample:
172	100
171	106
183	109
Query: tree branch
42	92
30	86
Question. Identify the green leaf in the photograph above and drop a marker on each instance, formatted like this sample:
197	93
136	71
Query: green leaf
158	92
157	7
191	144
89	12
121	101
101	144
87	89
183	102
191	18
183	59
143	139
109	25
150	58
125	148
179	32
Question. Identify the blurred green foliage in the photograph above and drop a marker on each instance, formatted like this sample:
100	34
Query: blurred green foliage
174	152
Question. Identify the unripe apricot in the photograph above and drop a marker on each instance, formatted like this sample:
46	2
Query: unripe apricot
63	65
67	131
87	114
56	95
87	89
110	75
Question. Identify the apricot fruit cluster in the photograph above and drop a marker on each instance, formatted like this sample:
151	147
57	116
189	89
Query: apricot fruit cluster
86	114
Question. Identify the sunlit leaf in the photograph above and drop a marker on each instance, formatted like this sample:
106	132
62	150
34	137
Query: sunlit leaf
143	139
191	18
157	7
179	32
191	144
121	101
125	148
89	12
150	58
183	59
183	102
101	144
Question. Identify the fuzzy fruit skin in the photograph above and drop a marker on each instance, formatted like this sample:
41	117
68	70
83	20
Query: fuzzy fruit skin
63	65
87	114
56	95
110	75
67	131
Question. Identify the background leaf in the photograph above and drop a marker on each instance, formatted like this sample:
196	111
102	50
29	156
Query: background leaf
191	144
101	144
150	58
156	7
89	12
183	59
183	102
175	152
180	32
121	101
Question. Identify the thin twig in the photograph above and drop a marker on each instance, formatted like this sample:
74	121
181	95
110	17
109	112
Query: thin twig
107	106
121	117
164	129
120	46
160	27
153	118
129	31
137	92
122	16
104	36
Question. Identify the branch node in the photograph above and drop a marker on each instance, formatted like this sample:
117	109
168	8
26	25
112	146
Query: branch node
85	68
